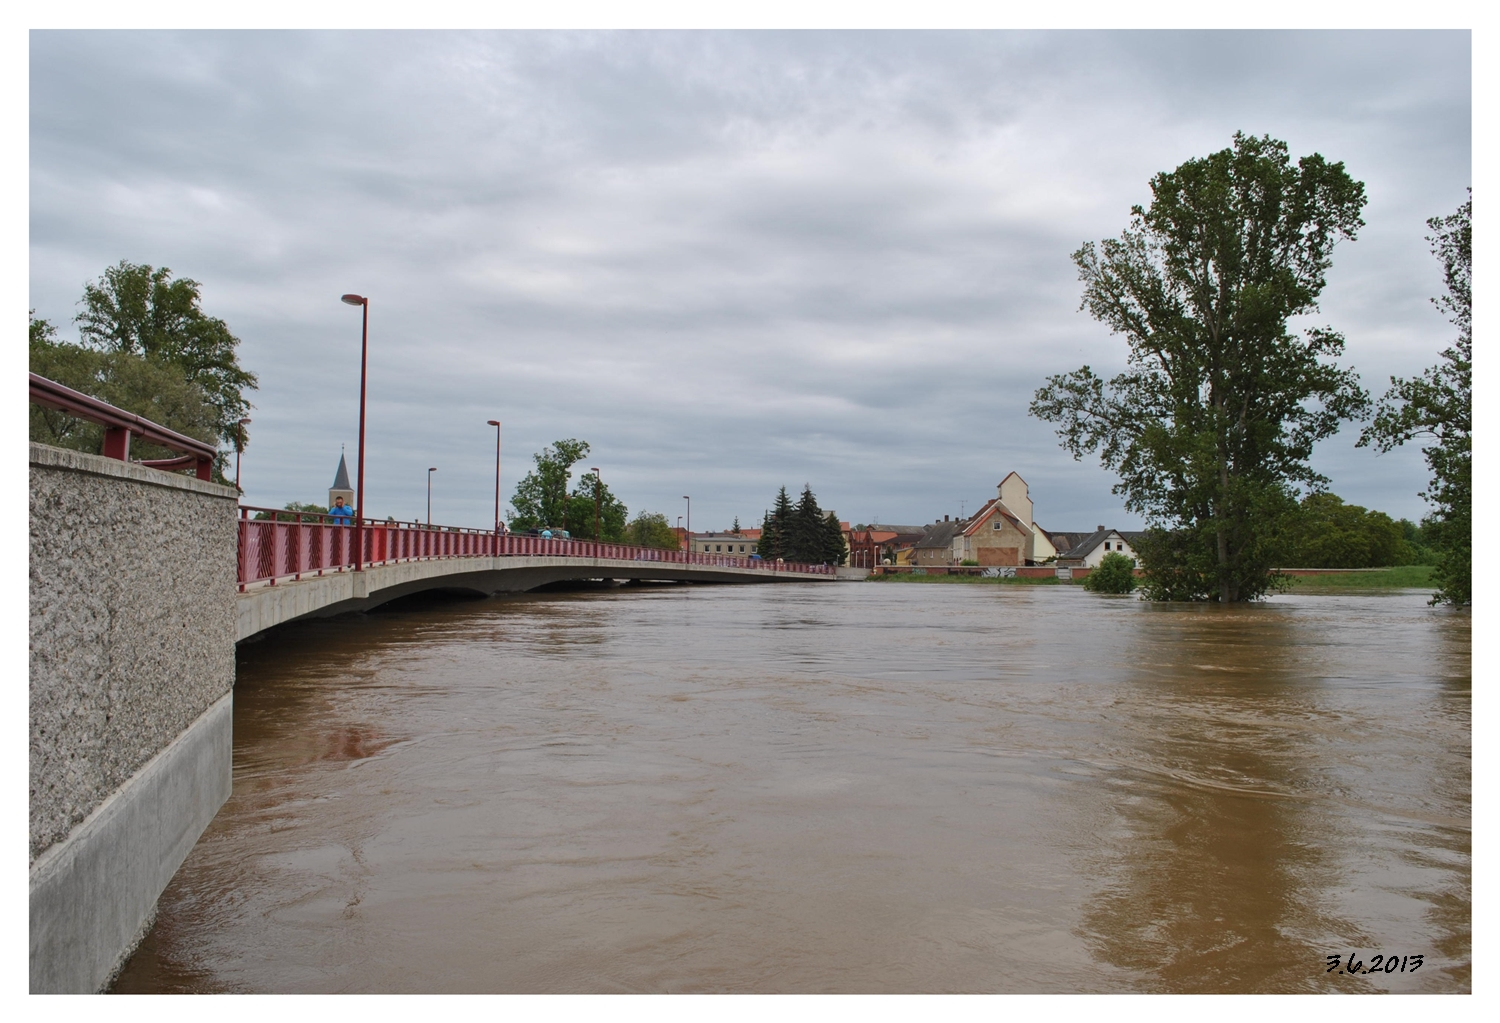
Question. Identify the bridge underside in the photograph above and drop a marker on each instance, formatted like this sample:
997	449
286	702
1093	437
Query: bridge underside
263	606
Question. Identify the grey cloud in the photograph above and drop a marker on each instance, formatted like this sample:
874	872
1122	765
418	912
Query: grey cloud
728	260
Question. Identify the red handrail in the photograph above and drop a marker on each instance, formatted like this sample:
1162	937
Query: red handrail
119	425
285	545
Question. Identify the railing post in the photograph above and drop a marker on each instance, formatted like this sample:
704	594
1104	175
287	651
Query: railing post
239	554
117	443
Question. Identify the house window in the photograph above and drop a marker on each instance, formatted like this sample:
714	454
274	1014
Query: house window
718	547
999	522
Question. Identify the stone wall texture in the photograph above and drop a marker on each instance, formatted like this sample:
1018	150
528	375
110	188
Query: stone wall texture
132	580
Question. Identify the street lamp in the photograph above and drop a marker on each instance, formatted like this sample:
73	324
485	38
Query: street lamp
598	484
689	535
239	446
429	495
359	497
496	424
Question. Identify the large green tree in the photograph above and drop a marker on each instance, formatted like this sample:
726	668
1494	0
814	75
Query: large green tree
140	311
1437	406
1212	425
542	498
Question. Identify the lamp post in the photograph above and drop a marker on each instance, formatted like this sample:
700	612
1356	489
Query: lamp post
598	485
689	534
429	495
359	497
239	446
496	424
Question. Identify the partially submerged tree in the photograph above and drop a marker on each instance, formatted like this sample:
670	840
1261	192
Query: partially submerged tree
1115	574
1437	405
1212	425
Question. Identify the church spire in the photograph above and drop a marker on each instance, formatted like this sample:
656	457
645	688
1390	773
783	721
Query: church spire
341	478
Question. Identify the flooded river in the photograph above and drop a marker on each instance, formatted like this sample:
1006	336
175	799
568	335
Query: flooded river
841	788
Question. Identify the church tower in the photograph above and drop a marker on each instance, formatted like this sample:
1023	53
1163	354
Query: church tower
341	486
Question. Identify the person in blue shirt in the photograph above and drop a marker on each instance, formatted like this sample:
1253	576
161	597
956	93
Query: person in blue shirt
341	513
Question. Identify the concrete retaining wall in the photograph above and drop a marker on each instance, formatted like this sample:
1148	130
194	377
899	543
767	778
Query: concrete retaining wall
132	664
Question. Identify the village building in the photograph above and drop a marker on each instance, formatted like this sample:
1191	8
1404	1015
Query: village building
882	544
1090	551
741	544
1002	533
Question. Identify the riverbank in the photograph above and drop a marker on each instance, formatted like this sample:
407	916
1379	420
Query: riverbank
1400	577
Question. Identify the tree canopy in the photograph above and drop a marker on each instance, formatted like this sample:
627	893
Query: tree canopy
542	498
141	311
1437	406
1212	425
651	529
1325	532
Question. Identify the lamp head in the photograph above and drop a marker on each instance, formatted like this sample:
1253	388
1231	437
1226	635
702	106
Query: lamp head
494	422
432	469
353	300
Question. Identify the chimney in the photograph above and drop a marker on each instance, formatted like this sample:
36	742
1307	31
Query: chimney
1099	528
945	518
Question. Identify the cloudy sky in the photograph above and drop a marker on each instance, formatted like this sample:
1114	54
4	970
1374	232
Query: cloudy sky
729	261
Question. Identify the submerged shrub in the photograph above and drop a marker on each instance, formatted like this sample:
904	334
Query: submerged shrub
1115	574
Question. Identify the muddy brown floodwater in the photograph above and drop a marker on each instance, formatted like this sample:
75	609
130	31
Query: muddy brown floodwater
842	788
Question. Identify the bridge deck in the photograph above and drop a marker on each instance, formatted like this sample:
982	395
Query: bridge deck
266	604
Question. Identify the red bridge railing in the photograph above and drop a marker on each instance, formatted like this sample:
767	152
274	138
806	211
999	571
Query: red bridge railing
120	426
285	546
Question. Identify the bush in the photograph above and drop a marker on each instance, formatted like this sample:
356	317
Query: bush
1115	574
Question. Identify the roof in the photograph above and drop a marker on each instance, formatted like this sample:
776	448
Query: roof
939	534
341	478
881	527
1085	546
983	515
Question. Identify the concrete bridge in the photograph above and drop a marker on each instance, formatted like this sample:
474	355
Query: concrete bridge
261	607
294	566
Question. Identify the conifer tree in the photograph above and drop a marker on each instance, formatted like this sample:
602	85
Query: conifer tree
806	542
775	532
834	547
